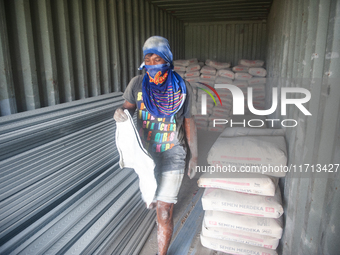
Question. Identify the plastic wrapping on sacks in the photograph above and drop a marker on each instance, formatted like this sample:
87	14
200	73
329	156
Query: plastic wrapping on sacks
256	80
243	76
234	247
251	63
241	69
226	73
192	68
208	70
245	182
216	64
179	68
241	203
265	154
257	71
240	237
192	74
247	224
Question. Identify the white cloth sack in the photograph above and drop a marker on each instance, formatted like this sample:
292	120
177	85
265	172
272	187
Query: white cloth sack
180	68
264	154
256	80
192	74
241	69
192	79
242	131
247	183
257	71
223	80
243	76
242	203
247	224
208	70
234	247
226	73
132	153
240	237
208	77
216	64
192	68
181	62
251	63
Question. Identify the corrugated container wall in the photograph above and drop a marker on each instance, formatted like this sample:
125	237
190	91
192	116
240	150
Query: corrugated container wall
303	51
53	52
226	41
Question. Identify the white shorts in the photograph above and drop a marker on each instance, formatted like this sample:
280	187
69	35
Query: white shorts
168	185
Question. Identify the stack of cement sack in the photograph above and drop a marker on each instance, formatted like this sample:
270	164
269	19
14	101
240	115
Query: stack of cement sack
247	73
243	210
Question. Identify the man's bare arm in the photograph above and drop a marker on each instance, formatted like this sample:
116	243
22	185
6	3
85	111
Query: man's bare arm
191	135
120	115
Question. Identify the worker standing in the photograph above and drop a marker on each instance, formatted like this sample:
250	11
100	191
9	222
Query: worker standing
166	128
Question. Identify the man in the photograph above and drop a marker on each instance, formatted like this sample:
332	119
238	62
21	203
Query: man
167	129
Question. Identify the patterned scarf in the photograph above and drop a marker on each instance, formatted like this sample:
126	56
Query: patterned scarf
163	90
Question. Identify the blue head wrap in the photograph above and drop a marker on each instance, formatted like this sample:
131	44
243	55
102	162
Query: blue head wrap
163	90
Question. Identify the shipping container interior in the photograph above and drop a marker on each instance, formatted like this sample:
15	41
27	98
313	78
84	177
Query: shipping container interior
55	52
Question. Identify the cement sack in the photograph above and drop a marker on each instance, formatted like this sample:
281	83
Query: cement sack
182	74
256	80
208	82
246	182
201	118
226	73
242	203
258	96
202	128
259	104
240	237
180	68
208	70
181	62
257	154
234	247
247	224
241	131
201	63
216	64
243	76
193	61
258	88
215	129
219	115
192	79
240	69
223	80
222	109
192	68
192	74
258	71
208	77
240	84
247	120
251	63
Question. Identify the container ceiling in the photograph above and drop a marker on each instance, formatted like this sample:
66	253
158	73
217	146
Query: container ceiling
215	10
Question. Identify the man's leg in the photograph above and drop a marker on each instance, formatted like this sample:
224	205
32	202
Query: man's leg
165	226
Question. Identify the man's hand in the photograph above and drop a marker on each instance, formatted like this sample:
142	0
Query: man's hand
192	167
120	115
